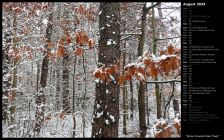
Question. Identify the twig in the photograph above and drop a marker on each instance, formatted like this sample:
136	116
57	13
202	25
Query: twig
65	67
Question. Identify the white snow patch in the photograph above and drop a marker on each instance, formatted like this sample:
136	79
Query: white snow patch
112	118
140	75
107	91
102	28
97	106
45	21
108	16
107	121
163	48
113	32
141	64
109	42
38	12
97	81
111	77
100	12
163	57
108	25
154	57
176	120
130	64
77	30
139	58
99	114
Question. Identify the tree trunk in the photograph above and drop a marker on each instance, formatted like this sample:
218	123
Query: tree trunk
124	100
58	83
6	84
65	93
57	106
176	106
132	95
106	107
85	92
141	91
65	77
14	77
162	28
73	98
40	97
147	105
158	96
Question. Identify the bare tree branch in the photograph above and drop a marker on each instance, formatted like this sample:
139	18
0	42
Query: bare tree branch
169	81
147	9
158	39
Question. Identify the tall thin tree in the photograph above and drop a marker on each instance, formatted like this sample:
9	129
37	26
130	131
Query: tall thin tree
106	106
40	96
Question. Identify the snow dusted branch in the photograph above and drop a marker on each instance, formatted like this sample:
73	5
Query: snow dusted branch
148	8
129	35
169	81
167	38
17	64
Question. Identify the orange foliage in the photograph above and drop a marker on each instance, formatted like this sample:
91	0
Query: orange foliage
47	118
79	51
61	42
81	38
177	125
50	45
170	49
91	43
147	61
68	38
169	64
141	70
60	51
128	76
62	115
106	73
165	133
152	71
121	80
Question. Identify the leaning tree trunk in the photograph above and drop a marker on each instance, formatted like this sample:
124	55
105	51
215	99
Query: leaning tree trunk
40	97
106	106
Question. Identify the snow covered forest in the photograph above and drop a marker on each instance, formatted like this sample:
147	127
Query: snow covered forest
79	70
